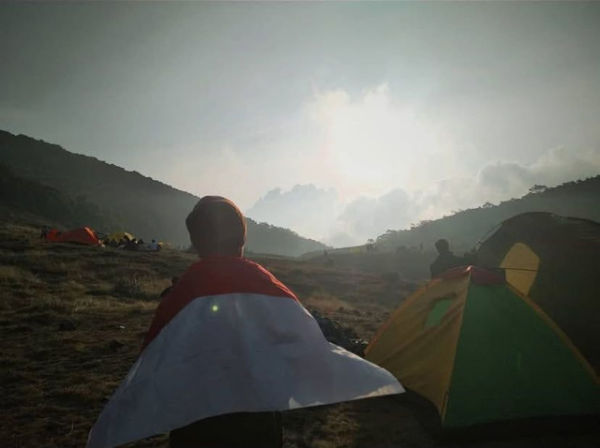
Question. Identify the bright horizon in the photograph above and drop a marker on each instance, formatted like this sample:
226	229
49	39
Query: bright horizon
337	120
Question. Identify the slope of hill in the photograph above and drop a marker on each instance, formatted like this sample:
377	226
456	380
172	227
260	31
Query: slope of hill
24	200
465	229
120	199
408	253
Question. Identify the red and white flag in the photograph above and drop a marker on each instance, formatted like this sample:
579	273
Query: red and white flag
230	338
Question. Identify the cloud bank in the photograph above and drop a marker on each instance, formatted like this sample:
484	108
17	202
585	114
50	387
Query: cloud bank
309	210
322	214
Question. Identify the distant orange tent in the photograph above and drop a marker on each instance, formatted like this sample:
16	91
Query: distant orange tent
83	235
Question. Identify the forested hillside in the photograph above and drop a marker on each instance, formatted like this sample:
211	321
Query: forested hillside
464	229
408	253
27	200
72	189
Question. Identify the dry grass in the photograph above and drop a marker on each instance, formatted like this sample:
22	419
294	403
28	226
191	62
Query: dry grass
327	303
72	319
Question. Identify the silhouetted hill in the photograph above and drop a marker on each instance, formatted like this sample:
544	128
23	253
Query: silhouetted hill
465	229
29	201
407	254
73	189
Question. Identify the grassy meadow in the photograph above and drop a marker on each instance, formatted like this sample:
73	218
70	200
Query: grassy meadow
72	320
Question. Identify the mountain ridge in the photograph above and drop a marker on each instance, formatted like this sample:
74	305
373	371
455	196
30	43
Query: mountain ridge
408	253
127	199
466	228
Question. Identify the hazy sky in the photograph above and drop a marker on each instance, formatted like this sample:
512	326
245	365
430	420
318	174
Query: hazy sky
339	120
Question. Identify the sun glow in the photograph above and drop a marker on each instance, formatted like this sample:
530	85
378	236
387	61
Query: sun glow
372	143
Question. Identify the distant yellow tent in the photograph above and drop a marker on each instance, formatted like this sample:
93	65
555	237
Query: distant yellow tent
118	236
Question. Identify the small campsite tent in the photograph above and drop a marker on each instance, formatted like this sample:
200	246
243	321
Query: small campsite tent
116	237
555	261
83	235
481	352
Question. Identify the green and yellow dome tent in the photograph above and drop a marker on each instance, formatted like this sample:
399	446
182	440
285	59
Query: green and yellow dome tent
481	352
555	261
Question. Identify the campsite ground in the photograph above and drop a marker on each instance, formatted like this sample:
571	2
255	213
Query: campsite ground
72	319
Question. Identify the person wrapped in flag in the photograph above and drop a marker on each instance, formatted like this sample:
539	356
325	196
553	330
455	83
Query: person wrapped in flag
229	347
